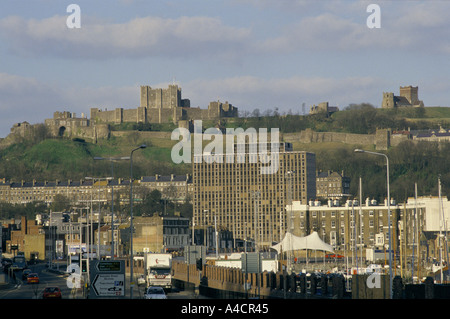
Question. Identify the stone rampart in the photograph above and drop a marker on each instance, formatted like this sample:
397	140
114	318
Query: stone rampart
381	139
143	134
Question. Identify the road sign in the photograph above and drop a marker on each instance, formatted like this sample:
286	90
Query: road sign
108	266
109	285
107	279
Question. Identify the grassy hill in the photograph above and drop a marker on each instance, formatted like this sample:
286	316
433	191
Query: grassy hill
61	159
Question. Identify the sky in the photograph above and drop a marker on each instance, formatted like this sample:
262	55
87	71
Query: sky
255	54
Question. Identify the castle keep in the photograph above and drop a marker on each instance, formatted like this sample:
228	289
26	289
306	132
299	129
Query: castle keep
163	106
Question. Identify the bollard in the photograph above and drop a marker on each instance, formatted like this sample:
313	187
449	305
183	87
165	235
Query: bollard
429	288
338	287
292	285
397	288
302	283
313	281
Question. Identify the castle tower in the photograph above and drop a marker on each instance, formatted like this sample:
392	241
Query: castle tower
144	95
388	100
411	93
161	98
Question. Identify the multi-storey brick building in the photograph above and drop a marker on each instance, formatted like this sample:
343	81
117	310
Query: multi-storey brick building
234	195
415	224
332	185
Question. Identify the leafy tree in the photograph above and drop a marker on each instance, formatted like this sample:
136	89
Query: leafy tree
60	203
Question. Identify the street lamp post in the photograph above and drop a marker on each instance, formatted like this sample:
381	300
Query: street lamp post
131	218
99	210
389	213
112	160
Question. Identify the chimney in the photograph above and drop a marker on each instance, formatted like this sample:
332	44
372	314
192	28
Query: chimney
23	226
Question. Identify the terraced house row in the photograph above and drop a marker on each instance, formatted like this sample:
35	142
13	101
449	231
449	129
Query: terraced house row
177	187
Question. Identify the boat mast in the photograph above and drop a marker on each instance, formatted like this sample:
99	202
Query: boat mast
440	232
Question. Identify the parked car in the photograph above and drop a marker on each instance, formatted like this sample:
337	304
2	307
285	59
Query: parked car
33	278
52	293
155	293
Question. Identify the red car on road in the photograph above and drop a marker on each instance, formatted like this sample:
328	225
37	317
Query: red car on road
33	278
52	293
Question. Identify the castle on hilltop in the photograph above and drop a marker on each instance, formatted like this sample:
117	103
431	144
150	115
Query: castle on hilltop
409	97
163	106
156	106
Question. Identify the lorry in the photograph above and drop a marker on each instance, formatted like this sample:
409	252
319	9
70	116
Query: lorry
159	270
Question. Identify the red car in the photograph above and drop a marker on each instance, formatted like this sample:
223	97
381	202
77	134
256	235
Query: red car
33	278
52	293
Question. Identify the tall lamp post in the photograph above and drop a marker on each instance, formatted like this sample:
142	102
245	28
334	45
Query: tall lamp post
112	160
131	218
98	179
389	213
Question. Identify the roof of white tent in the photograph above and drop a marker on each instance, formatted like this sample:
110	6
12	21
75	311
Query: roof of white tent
292	242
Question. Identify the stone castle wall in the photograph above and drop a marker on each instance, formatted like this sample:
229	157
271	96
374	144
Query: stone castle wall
381	139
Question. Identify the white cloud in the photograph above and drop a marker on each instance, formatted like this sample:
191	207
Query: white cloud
327	25
139	37
405	25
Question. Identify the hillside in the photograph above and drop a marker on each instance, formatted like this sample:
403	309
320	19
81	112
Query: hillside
62	159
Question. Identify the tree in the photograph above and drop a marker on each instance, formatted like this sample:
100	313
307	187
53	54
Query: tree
151	203
60	203
186	209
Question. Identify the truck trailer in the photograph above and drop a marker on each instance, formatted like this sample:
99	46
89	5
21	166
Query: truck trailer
159	270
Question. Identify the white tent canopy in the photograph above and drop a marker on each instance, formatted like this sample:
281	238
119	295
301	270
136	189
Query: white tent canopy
292	242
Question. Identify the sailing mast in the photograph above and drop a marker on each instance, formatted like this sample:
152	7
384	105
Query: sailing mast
440	232
443	223
355	246
414	231
360	221
418	237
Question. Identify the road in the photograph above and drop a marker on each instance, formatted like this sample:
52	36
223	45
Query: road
20	289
